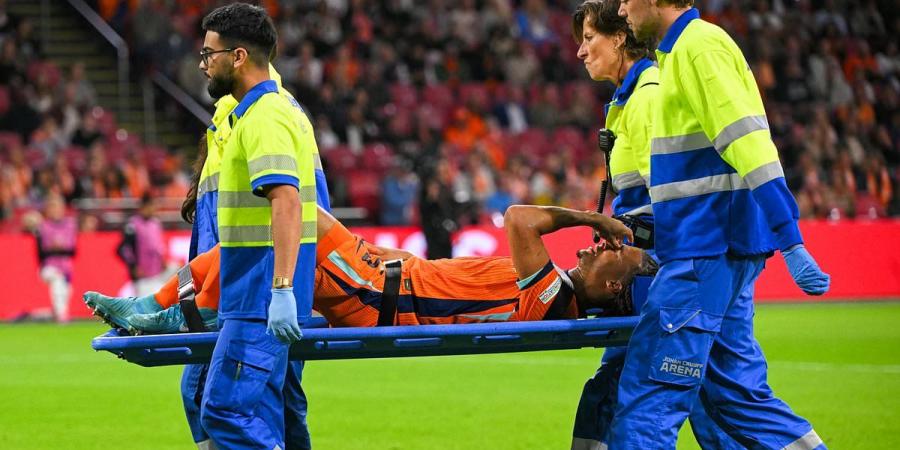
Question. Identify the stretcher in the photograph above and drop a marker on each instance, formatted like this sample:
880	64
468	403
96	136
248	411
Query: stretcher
320	342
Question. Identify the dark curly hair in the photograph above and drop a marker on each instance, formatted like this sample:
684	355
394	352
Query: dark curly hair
244	25
603	16
624	302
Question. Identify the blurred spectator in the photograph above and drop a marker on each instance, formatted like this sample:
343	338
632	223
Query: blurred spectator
438	210
465	129
87	133
143	249
510	112
85	95
398	195
55	235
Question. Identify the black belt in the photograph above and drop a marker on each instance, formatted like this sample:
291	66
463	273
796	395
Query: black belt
186	300
391	292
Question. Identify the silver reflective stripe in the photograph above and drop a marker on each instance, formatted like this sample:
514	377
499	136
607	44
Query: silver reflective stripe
241	199
308	230
763	174
271	162
646	209
246	233
207	445
627	180
587	444
808	441
678	144
209	184
277	447
697	186
348	270
317	162
185	282
739	129
308	193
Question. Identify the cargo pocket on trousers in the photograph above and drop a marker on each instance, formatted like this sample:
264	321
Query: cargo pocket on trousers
682	352
242	378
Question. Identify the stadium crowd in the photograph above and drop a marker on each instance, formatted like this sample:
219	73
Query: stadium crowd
55	139
463	107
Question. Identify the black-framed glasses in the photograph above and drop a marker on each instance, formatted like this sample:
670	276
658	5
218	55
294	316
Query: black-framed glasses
204	56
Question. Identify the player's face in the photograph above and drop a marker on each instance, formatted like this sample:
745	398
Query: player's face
606	270
218	65
600	53
642	17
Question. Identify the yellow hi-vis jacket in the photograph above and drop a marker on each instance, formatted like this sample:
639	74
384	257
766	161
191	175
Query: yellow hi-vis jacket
716	183
629	116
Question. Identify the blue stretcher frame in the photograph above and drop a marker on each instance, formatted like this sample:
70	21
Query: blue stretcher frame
322	343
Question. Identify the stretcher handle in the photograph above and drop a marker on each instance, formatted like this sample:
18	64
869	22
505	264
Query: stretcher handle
418	342
171	352
496	339
339	345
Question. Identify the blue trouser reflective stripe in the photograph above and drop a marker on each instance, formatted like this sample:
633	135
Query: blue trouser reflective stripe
697	330
243	405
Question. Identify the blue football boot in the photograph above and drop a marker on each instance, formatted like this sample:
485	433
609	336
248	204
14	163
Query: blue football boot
116	310
170	320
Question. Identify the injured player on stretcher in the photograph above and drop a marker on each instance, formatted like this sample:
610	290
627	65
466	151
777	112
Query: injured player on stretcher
350	278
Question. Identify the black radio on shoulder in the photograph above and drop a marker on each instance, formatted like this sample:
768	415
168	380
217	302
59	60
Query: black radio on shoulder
606	139
642	230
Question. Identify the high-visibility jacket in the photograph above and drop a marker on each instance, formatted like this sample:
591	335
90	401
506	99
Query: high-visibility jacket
629	116
205	233
271	143
716	183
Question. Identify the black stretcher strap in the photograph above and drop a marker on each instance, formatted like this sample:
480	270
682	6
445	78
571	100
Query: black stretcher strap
392	273
186	300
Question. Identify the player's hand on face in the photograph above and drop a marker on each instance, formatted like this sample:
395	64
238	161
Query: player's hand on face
610	230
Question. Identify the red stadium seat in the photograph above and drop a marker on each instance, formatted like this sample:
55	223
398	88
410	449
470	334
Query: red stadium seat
573	138
435	116
4	100
439	95
36	158
476	95
9	140
76	159
106	121
340	159
364	190
378	157
404	95
155	157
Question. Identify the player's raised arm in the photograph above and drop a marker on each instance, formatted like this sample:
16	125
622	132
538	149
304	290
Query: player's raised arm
525	224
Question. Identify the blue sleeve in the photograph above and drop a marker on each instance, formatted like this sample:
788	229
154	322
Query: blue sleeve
260	183
780	209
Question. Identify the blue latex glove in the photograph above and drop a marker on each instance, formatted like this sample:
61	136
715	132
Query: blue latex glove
805	271
282	320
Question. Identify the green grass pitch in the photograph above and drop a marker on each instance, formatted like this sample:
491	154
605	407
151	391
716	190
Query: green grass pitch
836	364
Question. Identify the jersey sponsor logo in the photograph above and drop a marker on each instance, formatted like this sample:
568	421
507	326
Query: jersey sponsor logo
681	368
551	291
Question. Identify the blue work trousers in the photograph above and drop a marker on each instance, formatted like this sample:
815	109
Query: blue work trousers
598	402
695	338
296	429
243	404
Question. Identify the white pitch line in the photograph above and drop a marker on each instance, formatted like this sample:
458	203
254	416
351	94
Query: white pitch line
893	369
